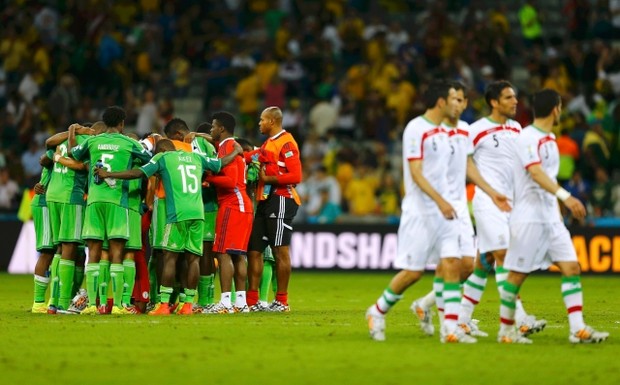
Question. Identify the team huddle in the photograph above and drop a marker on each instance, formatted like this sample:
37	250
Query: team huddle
200	200
519	228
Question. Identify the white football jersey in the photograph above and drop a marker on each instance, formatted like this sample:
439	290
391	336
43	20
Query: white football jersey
430	143
531	202
493	151
460	148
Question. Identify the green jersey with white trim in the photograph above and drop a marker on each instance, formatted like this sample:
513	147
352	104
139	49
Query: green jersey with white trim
181	173
209	195
116	152
66	185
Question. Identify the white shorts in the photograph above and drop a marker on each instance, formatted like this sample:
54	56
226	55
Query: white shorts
425	239
492	225
467	236
535	246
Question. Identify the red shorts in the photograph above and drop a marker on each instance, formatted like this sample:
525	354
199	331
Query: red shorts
232	231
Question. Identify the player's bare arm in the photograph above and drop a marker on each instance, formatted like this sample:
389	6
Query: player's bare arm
418	177
129	174
57	139
473	174
543	180
70	163
192	135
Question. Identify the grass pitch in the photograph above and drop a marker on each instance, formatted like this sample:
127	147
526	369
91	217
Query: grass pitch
324	340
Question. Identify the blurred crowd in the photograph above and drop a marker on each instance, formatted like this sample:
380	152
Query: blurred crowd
347	74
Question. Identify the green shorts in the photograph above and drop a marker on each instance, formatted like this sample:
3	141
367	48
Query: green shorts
42	228
184	236
66	222
135	231
135	237
106	221
209	234
158	223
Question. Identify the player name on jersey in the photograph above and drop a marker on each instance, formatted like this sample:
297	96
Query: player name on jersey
109	147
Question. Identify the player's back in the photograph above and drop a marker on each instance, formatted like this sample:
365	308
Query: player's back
181	173
493	150
116	152
531	202
160	193
67	185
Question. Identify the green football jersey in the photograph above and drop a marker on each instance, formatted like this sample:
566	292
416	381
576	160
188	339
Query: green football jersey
66	185
181	173
46	174
135	196
116	152
209	195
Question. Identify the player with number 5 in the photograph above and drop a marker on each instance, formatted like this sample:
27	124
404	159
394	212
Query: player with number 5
181	173
107	208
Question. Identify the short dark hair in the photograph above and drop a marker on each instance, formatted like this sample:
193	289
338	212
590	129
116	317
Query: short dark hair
227	120
245	144
437	89
175	125
544	101
113	116
459	86
164	145
204	127
494	90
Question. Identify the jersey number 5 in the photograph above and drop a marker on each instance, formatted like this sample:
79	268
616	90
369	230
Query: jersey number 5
189	180
495	140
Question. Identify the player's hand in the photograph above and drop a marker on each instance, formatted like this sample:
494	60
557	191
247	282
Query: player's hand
266	179
189	137
39	189
101	172
501	201
576	207
80	130
447	210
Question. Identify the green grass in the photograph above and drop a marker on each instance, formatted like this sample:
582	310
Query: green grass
323	340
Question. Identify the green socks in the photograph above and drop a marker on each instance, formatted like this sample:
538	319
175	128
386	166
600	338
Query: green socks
55	281
206	289
104	278
129	275
165	293
40	287
66	268
92	282
265	281
116	278
189	295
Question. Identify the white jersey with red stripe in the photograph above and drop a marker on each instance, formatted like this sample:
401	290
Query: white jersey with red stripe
532	203
493	144
423	140
460	148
